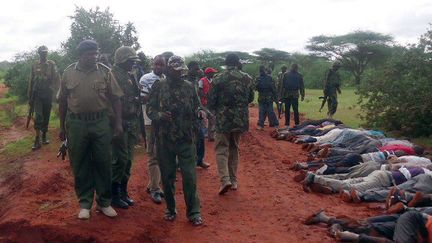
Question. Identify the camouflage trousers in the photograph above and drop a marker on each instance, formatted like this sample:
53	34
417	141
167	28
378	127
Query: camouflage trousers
332	104
42	110
123	151
89	147
185	152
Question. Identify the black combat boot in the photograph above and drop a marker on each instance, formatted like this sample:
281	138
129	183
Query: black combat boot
44	138
117	202
124	193
37	144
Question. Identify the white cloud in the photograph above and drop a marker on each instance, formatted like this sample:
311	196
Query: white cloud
190	25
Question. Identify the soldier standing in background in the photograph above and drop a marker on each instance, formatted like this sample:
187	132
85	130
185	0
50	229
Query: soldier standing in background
279	80
194	75
267	94
332	84
146	82
43	84
204	87
229	98
292	84
88	92
123	146
174	108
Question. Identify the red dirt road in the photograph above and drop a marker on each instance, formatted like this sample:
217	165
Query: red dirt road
38	203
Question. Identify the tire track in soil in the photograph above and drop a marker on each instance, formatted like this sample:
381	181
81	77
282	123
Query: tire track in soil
268	207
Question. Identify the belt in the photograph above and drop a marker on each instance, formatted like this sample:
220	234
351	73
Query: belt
91	116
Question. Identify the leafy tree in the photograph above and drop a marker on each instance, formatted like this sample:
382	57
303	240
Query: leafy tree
270	56
355	50
102	27
398	97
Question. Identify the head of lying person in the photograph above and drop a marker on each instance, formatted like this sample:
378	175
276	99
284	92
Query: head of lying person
418	150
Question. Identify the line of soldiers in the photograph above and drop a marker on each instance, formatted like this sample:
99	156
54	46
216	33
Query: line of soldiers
287	90
99	112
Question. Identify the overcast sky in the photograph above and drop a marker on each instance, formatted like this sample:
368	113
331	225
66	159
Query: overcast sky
186	26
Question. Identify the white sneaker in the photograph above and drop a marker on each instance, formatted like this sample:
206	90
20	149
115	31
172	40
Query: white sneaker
321	170
84	213
108	211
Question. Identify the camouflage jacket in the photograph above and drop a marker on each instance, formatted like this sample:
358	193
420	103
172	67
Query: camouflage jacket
332	82
229	97
130	100
179	98
44	78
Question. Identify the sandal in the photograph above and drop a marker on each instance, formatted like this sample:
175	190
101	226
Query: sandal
197	221
169	216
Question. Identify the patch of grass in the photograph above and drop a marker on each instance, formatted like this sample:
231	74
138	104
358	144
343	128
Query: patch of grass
348	110
424	141
8	99
18	148
6	120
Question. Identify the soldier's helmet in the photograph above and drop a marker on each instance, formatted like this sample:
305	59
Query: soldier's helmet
125	53
42	49
177	63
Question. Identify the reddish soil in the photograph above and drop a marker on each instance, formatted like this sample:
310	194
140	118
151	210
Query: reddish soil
38	203
16	131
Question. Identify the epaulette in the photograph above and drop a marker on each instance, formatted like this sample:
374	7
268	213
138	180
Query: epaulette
103	66
51	62
71	65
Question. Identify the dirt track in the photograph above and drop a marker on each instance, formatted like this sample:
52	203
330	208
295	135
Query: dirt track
38	202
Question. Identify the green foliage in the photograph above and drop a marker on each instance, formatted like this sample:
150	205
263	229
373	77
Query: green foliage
348	109
398	96
17	148
102	27
354	50
270	56
17	76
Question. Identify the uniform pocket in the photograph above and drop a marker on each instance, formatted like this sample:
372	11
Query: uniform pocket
100	87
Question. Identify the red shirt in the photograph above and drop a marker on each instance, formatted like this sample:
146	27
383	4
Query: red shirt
206	86
393	147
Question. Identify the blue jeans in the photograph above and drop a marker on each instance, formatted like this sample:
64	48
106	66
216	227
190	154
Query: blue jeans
266	109
200	145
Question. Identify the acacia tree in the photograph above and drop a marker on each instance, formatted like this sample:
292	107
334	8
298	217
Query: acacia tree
102	27
356	50
270	56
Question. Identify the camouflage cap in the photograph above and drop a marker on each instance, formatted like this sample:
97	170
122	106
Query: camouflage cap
177	63
42	49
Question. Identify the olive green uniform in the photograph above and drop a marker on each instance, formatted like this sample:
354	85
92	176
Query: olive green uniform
43	83
175	139
123	147
332	84
88	94
229	97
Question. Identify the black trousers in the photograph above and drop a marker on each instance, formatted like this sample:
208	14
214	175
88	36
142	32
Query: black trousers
294	103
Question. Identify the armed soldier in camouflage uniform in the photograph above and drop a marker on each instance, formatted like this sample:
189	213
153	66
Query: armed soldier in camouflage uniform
173	107
332	84
229	98
88	91
43	83
279	80
123	147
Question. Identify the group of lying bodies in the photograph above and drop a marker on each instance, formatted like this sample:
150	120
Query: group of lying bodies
365	166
